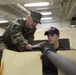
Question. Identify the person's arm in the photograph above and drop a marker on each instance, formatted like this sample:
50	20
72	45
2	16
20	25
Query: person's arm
31	36
17	37
31	39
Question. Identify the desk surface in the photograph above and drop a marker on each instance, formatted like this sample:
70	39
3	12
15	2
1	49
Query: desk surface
21	63
70	54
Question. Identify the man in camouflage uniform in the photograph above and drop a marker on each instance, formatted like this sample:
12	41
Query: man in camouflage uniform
19	36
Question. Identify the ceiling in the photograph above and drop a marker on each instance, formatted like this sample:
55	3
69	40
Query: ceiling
61	9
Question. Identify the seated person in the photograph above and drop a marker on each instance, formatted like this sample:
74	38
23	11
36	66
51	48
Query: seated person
53	35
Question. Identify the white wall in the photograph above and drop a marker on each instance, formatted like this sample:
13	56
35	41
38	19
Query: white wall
1	31
64	24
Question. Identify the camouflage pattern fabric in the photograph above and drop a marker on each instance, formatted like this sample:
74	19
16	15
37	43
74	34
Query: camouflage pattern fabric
17	35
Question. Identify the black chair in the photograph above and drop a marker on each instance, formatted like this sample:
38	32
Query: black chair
64	42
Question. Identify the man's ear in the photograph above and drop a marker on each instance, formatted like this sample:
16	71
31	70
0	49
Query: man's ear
28	17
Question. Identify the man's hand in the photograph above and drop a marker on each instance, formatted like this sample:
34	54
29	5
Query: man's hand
29	47
40	44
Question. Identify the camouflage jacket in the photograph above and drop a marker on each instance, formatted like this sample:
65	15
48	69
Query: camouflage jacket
17	35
